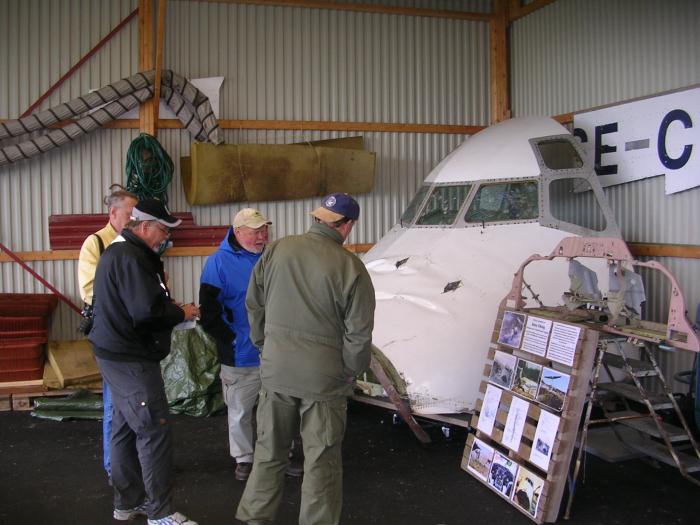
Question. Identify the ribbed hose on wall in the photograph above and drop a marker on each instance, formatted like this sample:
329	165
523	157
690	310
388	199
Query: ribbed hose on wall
188	103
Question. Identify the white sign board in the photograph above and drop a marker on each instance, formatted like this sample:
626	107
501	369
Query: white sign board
645	138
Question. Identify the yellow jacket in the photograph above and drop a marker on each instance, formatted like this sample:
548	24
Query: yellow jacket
89	257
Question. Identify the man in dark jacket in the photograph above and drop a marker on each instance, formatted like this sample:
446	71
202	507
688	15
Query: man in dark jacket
311	310
222	290
133	320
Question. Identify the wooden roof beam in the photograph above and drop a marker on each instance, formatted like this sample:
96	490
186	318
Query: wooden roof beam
365	8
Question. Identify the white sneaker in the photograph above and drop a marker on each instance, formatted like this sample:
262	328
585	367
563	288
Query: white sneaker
174	519
130	514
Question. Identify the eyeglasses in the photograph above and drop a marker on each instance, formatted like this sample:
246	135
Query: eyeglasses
162	228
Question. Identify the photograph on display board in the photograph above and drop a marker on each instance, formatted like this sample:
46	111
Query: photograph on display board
511	329
527	378
528	489
503	369
480	459
543	442
553	388
502	474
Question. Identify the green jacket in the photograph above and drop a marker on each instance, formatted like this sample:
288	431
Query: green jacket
311	310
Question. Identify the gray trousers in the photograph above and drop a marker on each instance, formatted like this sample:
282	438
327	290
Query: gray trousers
241	386
322	425
140	448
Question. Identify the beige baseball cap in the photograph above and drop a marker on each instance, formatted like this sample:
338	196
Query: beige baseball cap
250	217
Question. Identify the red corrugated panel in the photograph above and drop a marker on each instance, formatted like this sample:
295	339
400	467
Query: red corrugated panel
67	232
22	359
198	235
27	304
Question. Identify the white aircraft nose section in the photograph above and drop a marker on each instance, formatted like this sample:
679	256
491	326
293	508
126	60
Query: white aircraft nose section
510	191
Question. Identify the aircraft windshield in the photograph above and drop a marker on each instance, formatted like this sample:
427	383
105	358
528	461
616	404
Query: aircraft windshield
443	205
571	200
410	213
504	201
559	155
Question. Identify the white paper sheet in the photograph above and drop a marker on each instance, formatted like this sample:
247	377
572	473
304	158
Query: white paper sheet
489	409
536	335
515	423
543	442
562	343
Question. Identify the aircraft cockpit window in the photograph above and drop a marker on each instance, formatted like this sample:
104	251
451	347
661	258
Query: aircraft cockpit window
410	213
504	201
559	154
443	205
571	200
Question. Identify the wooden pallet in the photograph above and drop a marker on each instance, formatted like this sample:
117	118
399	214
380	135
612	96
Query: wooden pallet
553	479
21	397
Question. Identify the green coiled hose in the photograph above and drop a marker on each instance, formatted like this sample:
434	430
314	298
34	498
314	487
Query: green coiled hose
149	168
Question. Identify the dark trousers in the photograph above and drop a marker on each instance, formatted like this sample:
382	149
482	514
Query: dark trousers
140	448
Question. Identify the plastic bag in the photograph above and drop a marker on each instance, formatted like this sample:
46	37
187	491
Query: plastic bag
191	374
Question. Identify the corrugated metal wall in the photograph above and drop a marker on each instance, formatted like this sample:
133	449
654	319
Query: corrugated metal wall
280	63
578	54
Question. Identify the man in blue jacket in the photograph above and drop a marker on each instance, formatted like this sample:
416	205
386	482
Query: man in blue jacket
222	292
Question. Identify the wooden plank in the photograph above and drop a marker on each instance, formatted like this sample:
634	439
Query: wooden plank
366	8
146	122
160	36
499	63
683	251
36	383
401	407
73	362
187	251
313	125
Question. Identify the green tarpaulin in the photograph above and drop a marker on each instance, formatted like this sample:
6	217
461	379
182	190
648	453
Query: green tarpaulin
191	374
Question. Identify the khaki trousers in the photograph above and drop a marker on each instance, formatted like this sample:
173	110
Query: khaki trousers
322	425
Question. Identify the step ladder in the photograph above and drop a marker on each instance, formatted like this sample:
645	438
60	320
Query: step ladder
639	426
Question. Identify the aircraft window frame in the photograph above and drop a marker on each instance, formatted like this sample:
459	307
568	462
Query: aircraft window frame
586	171
458	213
425	190
493	182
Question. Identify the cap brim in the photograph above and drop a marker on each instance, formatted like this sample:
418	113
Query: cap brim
326	214
170	221
255	224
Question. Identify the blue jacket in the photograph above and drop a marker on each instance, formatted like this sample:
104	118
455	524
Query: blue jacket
222	292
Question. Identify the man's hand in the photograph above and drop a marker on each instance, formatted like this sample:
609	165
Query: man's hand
191	311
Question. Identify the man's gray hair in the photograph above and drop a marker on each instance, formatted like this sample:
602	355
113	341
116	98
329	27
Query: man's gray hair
117	195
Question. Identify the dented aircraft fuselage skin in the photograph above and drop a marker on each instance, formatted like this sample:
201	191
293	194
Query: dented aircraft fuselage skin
512	190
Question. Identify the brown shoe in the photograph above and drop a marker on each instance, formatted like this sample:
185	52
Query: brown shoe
295	470
243	471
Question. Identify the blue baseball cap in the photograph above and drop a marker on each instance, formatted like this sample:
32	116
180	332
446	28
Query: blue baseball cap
337	206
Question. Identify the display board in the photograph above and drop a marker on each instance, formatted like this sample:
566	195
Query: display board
526	419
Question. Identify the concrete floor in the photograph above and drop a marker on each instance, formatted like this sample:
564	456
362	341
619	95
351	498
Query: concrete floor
50	473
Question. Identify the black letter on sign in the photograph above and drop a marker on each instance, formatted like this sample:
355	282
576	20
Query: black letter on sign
581	134
684	118
602	148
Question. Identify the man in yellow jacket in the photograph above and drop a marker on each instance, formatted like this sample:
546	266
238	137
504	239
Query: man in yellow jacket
311	310
120	204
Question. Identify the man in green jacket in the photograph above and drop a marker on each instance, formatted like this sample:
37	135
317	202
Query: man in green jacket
311	311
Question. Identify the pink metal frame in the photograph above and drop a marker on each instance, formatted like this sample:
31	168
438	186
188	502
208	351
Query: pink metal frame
679	332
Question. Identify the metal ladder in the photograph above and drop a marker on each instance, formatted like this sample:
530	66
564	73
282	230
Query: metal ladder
642	431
